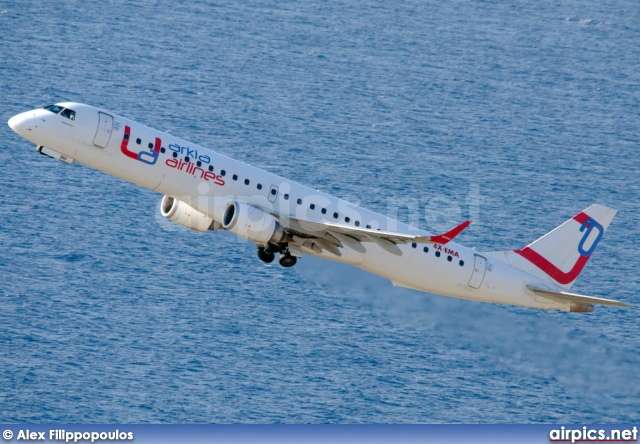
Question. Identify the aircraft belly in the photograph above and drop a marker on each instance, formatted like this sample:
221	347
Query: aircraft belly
501	283
119	166
415	270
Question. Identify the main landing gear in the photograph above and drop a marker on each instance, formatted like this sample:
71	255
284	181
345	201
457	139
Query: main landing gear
267	255
286	260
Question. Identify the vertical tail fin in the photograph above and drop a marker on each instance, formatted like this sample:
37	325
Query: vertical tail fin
560	255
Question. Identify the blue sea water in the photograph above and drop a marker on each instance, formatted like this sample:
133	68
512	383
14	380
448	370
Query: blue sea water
519	114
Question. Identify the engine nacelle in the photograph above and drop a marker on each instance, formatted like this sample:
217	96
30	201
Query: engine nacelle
184	214
251	223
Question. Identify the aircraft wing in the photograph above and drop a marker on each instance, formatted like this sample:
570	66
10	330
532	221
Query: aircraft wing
322	233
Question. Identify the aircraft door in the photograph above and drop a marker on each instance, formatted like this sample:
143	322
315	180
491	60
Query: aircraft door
479	268
273	193
105	127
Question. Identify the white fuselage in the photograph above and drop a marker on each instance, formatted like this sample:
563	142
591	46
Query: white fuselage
208	181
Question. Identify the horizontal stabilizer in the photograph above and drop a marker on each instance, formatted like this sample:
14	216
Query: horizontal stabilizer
562	296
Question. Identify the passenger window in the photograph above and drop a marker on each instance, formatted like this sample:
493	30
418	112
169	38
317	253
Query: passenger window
138	141
369	227
299	201
437	254
346	219
150	145
259	186
186	159
223	173
461	263
414	245
449	258
273	191
210	168
162	150
235	177
198	163
286	196
312	206
357	223
426	250
335	215
323	211
246	181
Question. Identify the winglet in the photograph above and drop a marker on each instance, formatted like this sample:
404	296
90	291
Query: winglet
449	235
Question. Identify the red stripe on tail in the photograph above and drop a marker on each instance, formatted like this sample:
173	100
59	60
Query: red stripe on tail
554	272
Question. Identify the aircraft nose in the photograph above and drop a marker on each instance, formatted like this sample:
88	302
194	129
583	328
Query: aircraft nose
19	124
23	123
15	123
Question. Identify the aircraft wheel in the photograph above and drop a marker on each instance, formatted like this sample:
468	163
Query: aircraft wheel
266	256
286	260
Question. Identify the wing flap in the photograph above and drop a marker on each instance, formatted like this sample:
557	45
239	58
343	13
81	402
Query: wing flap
320	229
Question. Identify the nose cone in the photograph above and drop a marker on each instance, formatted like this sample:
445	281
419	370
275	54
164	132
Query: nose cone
15	121
22	124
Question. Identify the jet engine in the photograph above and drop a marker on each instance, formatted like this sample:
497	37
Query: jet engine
184	214
251	223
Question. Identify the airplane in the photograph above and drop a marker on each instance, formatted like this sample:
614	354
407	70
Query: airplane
205	190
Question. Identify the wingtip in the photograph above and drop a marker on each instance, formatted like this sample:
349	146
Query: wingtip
449	235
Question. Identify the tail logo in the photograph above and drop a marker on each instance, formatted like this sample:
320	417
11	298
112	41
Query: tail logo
588	224
587	227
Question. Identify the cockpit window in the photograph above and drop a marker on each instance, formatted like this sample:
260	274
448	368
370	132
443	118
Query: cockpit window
69	114
54	108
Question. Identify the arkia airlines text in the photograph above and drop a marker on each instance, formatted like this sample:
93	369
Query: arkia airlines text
205	190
